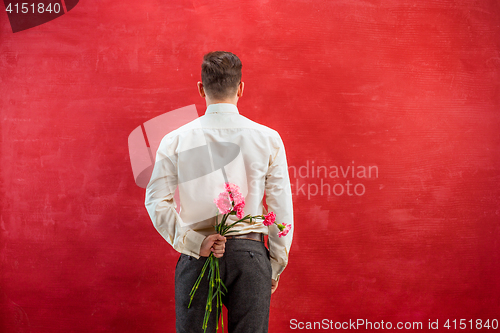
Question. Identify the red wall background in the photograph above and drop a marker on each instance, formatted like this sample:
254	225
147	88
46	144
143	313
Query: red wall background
411	88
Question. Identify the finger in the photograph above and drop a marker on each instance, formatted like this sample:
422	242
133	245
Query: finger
217	250
222	245
274	286
218	254
220	238
214	237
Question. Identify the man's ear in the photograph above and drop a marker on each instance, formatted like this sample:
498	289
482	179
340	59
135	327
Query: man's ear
239	93
201	90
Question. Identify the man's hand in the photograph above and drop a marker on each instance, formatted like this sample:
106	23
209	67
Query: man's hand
215	244
274	286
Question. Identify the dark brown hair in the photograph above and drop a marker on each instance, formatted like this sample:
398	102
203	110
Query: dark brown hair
220	74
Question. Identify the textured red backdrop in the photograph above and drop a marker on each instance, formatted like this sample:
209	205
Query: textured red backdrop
408	89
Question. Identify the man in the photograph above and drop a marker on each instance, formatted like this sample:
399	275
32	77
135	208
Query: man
198	158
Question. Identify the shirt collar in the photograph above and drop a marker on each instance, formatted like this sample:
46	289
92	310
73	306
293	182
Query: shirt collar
221	108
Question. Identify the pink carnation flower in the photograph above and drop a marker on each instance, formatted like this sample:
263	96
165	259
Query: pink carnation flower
239	210
230	187
231	200
223	202
234	191
269	219
284	229
237	198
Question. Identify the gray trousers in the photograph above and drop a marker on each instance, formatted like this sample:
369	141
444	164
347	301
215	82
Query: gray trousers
245	269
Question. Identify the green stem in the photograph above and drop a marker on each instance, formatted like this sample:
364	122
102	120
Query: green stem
197	283
208	307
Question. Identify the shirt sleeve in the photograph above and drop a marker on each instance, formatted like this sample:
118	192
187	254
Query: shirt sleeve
279	201
161	205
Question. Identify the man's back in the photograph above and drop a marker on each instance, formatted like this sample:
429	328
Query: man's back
224	146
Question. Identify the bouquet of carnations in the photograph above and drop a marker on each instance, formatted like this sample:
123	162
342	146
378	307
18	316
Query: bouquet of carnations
229	202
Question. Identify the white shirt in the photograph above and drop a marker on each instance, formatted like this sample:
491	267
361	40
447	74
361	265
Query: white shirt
198	158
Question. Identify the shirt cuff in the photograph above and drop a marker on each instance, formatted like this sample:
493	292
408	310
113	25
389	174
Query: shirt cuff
192	243
277	269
